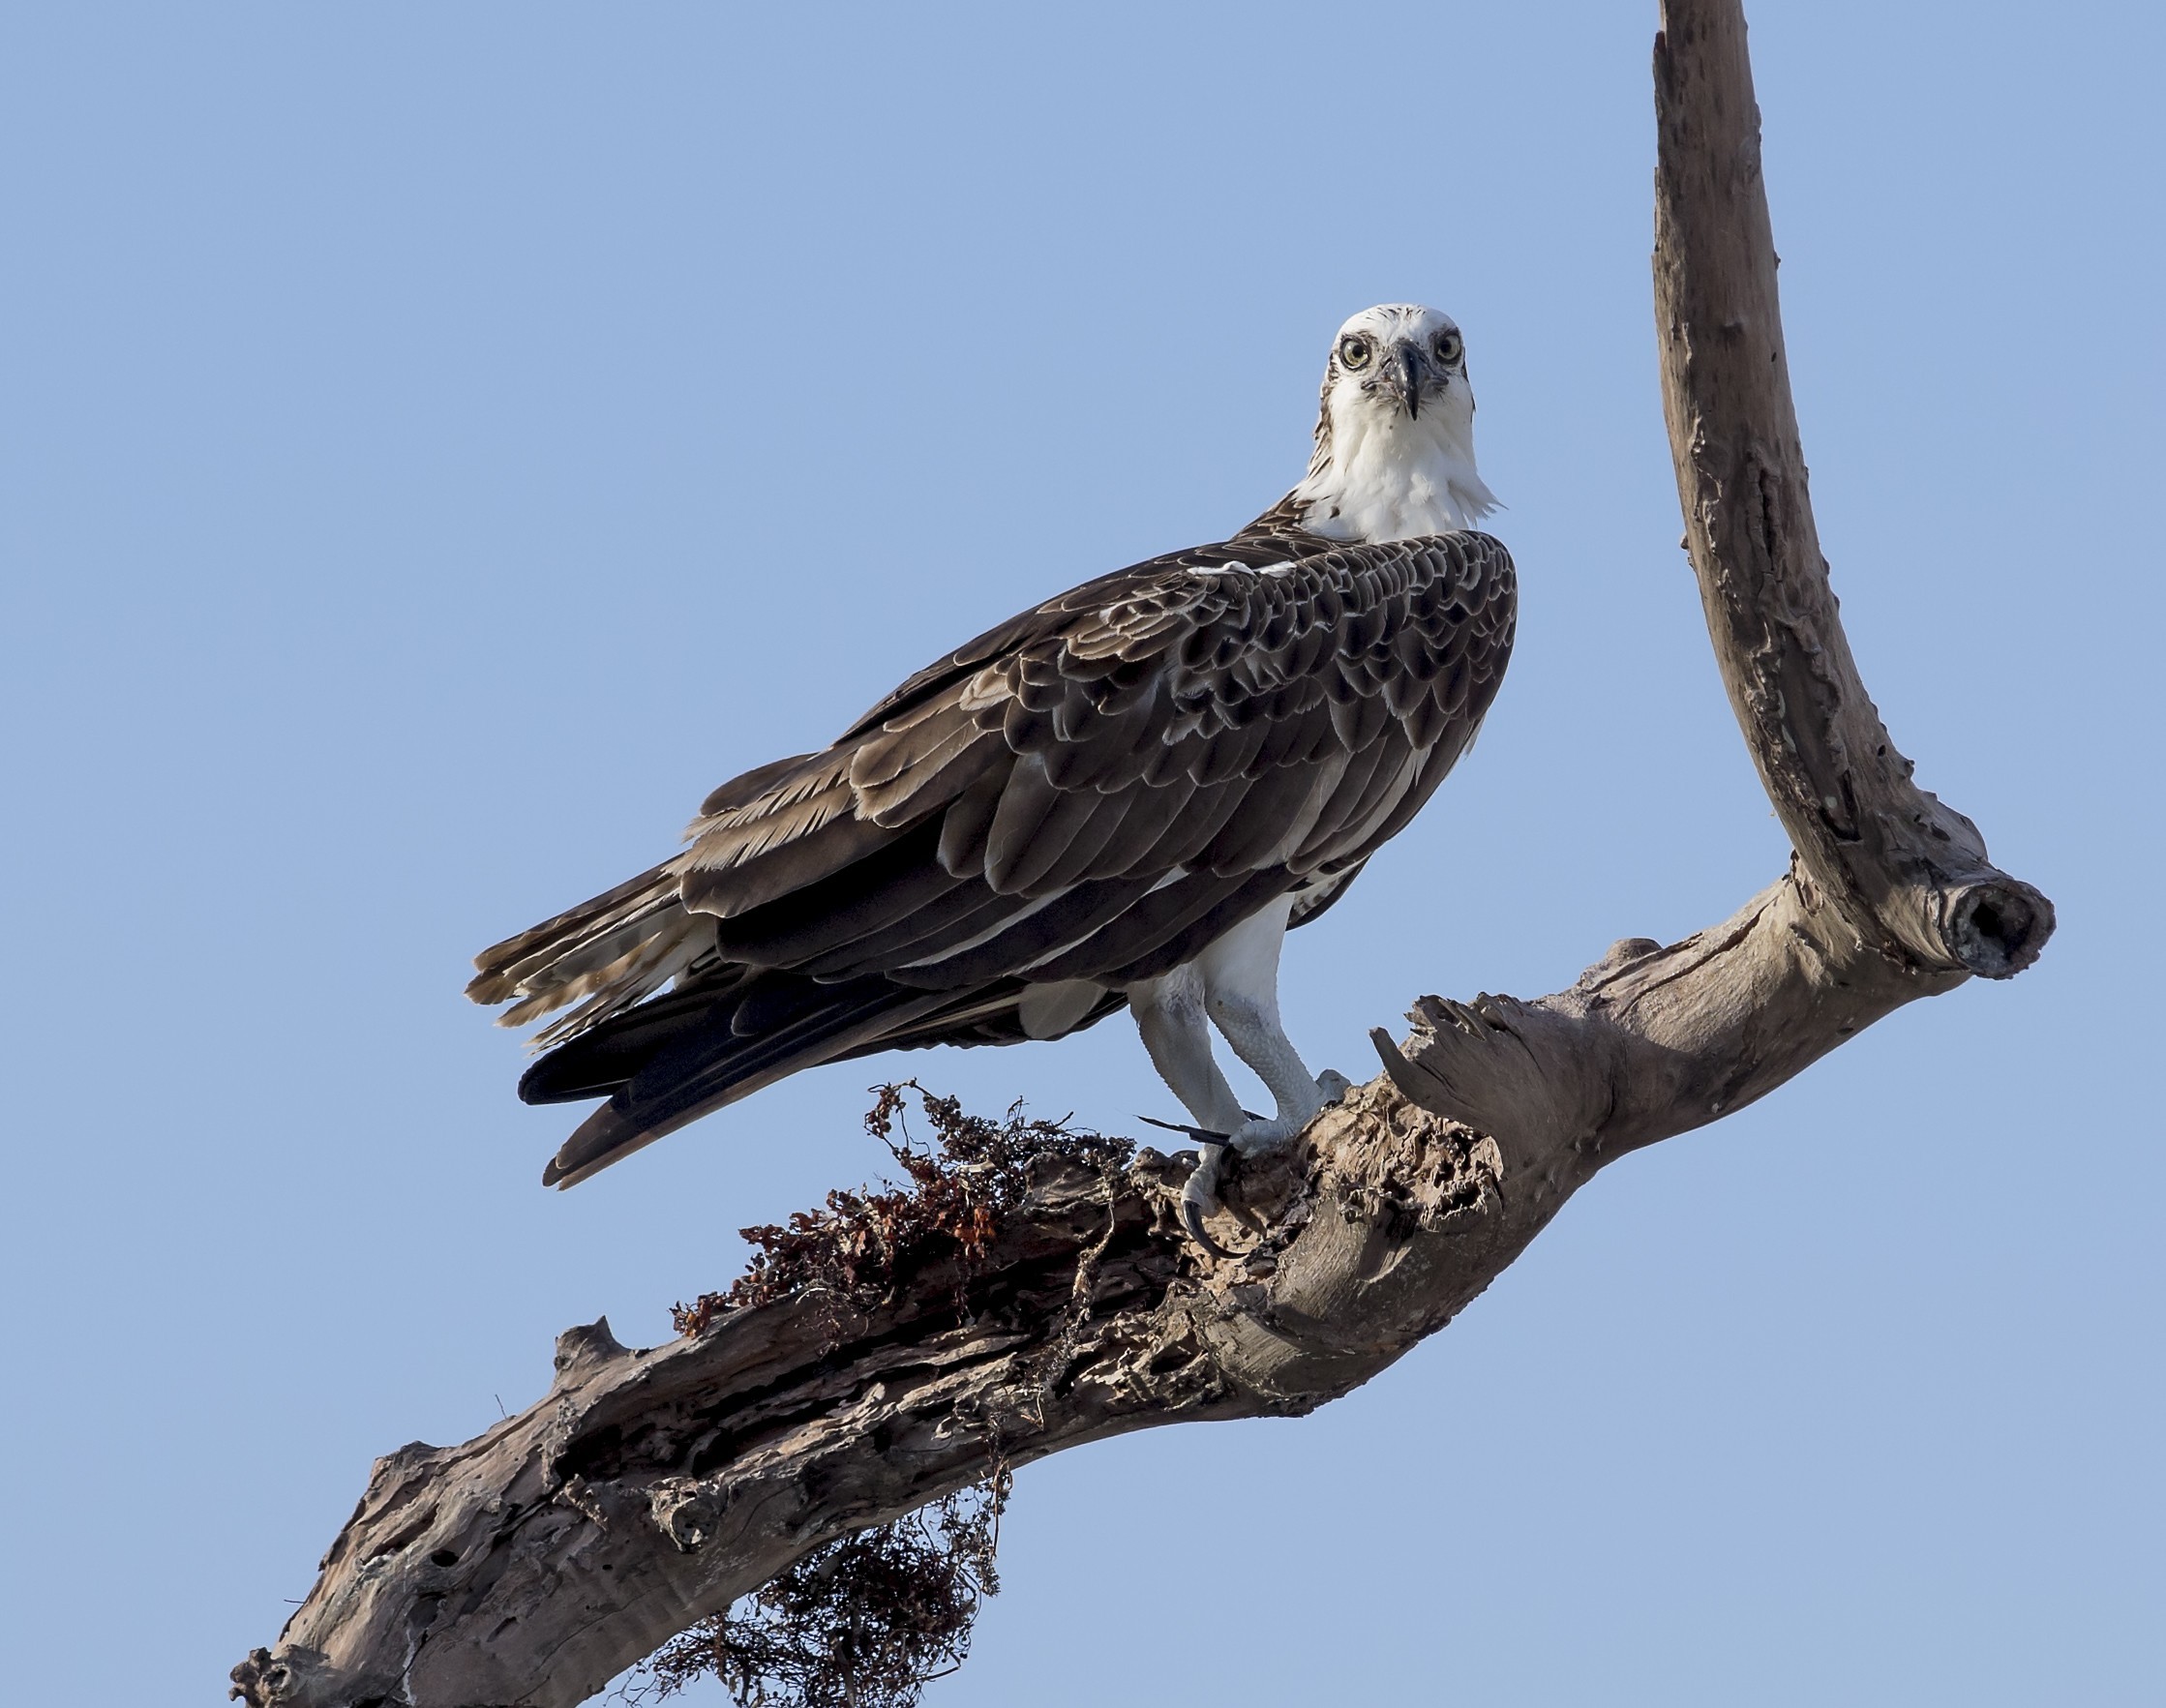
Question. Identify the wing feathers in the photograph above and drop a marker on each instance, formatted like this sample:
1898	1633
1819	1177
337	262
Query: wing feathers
965	912
1082	793
1056	924
1269	812
1201	816
779	866
1133	946
1086	849
896	886
1032	815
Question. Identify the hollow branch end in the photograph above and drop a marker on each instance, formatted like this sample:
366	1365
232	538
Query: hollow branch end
1996	927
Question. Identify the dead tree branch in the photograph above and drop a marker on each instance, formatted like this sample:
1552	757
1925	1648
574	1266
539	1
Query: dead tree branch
650	1489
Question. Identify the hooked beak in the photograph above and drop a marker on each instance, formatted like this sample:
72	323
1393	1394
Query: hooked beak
1401	375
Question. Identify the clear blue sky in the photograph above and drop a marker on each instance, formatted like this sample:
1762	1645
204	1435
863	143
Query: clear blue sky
442	442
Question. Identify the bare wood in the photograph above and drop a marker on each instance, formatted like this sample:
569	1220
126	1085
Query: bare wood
650	1489
1910	872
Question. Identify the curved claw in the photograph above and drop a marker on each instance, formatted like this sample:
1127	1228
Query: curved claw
1193	1200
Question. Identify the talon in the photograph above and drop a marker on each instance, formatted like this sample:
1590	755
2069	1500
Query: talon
1191	1216
1201	1134
1333	1084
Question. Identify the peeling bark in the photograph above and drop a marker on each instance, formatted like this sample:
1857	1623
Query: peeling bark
652	1488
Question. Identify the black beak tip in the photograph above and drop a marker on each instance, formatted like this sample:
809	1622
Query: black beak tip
1404	375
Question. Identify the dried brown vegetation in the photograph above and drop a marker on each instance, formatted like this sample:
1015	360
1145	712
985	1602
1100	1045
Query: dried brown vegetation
867	1622
865	1243
870	1621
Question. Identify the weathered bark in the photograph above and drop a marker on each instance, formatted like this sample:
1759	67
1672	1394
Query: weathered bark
654	1487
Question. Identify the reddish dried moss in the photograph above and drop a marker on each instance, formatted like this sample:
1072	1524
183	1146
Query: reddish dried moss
867	1622
862	1243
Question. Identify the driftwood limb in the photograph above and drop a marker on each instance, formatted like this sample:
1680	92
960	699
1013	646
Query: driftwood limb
651	1488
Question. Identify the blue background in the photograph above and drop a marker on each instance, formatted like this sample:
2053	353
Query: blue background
442	442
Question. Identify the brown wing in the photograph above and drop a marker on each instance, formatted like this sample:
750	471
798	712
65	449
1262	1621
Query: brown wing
1091	792
1069	796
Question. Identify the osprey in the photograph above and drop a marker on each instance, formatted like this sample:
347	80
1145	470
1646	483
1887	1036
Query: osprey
1120	799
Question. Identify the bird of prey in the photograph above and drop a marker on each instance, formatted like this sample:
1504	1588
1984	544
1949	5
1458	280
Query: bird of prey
1122	797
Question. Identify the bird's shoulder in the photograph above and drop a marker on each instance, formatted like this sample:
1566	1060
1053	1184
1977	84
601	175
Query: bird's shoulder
1195	608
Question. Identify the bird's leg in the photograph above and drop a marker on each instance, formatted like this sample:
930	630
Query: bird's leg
1169	1013
1241	995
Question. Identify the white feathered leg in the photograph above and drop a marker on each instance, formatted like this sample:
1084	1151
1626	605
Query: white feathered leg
1169	1013
1241	995
1235	984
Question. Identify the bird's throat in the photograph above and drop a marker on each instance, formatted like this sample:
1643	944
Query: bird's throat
1394	479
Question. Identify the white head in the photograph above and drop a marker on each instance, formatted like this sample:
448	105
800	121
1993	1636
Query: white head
1394	438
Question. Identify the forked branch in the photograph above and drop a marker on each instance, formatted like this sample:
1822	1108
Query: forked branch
650	1489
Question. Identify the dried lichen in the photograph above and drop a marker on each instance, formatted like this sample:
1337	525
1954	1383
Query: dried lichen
867	1622
862	1243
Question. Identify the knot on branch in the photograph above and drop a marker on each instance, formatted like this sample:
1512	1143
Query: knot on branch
299	1678
687	1511
1401	1170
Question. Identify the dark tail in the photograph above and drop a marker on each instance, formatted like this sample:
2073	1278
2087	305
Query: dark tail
676	1058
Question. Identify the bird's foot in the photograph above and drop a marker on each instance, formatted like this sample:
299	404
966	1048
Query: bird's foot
1253	1137
1199	1196
1257	1137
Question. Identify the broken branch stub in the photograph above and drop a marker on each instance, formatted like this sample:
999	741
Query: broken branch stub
651	1488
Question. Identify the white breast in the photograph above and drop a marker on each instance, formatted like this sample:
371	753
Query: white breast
1394	479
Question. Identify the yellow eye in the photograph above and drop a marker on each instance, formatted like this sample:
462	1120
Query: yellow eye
1354	351
1449	348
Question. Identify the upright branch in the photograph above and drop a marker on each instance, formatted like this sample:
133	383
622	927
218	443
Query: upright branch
650	1489
1911	873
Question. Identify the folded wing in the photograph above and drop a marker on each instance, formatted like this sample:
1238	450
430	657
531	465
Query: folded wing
1081	798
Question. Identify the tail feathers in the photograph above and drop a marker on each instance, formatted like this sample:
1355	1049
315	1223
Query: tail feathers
604	955
501	965
674	947
707	1065
604	1058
